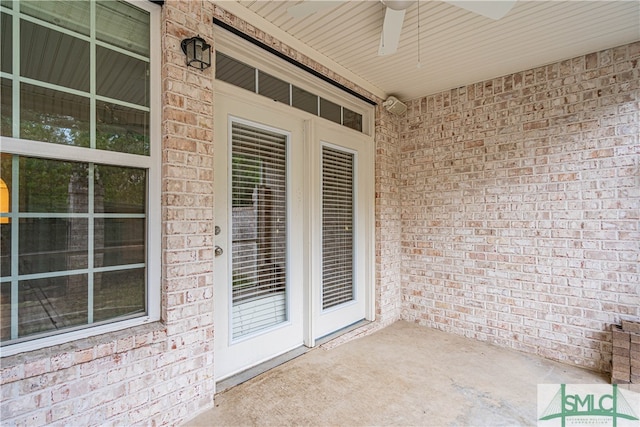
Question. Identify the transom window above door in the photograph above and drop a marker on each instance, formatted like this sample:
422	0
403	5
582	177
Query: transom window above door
235	72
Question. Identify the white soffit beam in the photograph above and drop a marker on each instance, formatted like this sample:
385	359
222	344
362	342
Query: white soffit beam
259	22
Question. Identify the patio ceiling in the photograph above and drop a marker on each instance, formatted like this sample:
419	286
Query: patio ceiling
456	47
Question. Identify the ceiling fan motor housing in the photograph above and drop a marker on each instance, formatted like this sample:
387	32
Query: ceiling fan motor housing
397	4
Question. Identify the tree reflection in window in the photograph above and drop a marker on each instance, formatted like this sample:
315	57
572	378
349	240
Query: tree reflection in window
246	178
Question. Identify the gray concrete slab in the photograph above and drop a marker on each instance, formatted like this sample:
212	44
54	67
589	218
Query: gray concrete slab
405	375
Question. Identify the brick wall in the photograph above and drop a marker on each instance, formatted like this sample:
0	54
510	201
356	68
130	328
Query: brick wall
506	211
161	373
387	218
520	207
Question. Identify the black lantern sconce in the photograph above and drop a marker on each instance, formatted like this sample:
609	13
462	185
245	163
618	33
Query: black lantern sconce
198	52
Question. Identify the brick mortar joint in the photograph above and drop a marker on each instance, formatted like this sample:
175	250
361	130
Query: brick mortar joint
156	329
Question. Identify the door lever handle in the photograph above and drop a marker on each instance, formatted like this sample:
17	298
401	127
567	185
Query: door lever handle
218	250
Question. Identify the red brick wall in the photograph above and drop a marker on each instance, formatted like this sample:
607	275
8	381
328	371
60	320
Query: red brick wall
520	207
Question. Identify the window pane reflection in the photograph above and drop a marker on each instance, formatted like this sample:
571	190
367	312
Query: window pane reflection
70	14
5	249
235	72
6	107
6	47
330	111
52	244
120	190
51	116
122	129
273	88
53	186
352	119
123	25
51	304
121	77
304	100
5	311
118	293
53	57
119	241
5	223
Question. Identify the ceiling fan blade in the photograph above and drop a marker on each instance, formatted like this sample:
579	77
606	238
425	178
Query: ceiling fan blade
309	7
490	9
391	29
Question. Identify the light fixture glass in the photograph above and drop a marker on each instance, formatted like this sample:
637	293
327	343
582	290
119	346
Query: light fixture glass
198	52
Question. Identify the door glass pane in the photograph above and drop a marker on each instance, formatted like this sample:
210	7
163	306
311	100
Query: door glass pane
259	233
337	227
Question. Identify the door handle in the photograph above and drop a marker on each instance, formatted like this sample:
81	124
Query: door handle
218	250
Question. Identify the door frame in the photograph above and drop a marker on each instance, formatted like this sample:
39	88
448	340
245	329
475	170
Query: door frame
289	334
312	138
318	133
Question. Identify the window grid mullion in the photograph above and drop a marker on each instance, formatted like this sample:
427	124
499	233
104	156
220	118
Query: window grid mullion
90	243
91	175
62	273
17	80
92	76
15	203
15	85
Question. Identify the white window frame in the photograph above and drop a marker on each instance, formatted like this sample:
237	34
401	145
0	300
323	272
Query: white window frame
151	163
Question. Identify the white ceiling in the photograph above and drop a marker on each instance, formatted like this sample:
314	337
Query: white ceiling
456	47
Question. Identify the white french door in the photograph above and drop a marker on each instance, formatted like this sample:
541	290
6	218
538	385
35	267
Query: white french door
341	228
259	211
294	208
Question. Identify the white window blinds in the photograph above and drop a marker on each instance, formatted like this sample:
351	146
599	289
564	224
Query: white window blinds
337	227
259	192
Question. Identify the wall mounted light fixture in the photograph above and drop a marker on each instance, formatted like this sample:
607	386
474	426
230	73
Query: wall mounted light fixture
198	52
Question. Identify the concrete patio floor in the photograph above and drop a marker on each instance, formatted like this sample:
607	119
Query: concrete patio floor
404	374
